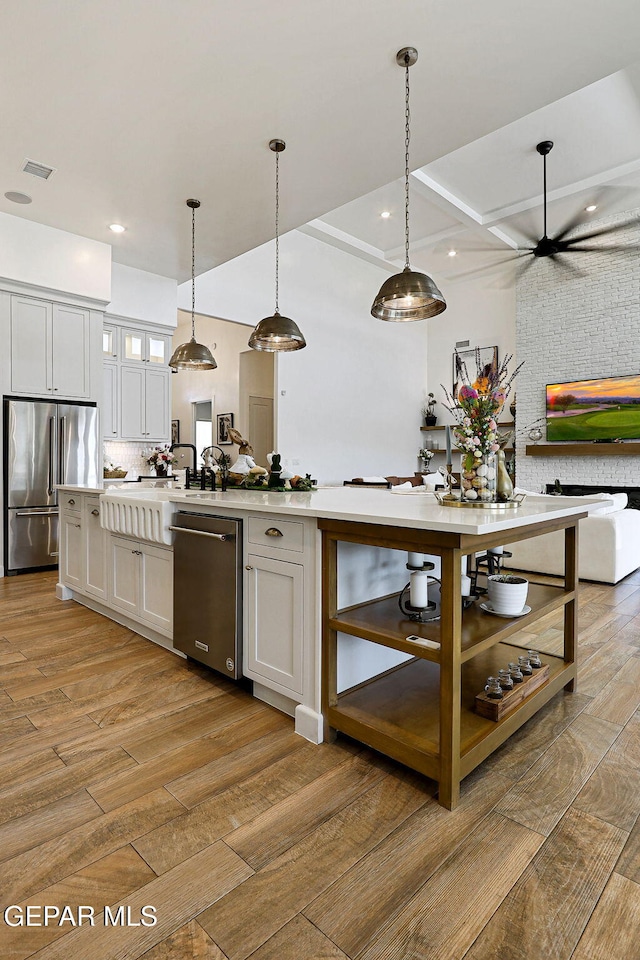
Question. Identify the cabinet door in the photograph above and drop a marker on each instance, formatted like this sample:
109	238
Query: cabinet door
109	342
157	404
157	349
275	621
70	352
156	587
95	547
132	346
31	346
125	575
71	552
132	394
109	408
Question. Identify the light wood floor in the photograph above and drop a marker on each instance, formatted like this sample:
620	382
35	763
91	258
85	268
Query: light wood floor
128	776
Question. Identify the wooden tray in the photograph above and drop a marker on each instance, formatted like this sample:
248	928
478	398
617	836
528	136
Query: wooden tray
497	709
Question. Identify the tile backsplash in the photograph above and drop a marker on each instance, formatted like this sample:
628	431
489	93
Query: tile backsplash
130	456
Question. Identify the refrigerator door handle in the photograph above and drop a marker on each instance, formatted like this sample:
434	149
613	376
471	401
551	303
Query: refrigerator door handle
50	478
62	449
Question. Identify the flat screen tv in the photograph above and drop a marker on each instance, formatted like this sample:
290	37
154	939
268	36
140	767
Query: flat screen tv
594	409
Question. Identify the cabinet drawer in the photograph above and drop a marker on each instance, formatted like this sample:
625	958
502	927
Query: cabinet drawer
282	534
71	503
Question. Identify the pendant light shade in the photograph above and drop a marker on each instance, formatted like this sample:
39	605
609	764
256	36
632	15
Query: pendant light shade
193	355
277	333
408	295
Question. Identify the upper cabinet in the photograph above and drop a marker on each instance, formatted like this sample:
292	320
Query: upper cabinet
50	349
137	400
142	347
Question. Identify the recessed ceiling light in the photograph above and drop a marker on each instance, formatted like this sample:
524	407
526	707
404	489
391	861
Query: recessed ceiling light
385	214
117	227
16	197
452	253
591	207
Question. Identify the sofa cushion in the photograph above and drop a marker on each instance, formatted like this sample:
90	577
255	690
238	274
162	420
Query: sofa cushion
611	502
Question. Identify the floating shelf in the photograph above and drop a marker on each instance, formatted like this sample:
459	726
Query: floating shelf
625	449
506	423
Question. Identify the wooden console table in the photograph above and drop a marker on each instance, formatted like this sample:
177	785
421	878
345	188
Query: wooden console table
421	712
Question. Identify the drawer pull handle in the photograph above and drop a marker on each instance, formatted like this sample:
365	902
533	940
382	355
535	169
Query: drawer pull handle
273	532
248	568
71	502
95	513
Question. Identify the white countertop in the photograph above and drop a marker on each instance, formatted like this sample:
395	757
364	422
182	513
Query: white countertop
418	510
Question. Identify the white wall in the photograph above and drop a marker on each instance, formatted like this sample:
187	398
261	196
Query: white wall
140	295
226	341
349	403
575	328
54	260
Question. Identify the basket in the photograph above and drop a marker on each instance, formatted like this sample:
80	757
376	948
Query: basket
114	474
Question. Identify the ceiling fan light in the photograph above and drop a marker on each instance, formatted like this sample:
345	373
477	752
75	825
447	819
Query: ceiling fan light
408	296
277	334
192	356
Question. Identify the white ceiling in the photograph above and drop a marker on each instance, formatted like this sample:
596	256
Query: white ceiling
139	105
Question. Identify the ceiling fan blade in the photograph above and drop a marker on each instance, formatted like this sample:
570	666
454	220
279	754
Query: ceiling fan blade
580	218
615	249
524	266
559	261
634	221
487	268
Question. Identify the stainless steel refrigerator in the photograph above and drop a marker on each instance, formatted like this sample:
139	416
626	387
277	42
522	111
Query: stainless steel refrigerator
45	443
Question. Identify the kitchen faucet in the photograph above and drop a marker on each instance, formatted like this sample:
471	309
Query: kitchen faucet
174	446
222	463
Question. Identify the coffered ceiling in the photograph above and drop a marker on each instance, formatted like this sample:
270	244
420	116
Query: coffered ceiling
140	105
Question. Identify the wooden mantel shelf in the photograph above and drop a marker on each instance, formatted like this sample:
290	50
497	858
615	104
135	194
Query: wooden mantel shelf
583	449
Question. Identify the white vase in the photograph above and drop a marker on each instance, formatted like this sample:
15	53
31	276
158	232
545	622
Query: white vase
507	595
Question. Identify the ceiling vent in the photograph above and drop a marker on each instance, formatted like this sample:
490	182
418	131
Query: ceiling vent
37	169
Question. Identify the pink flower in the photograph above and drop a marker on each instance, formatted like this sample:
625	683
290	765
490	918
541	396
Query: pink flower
467	393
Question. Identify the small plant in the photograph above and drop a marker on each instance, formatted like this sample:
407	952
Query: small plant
428	411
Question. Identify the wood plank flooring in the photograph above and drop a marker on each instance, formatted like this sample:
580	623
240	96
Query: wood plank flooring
132	778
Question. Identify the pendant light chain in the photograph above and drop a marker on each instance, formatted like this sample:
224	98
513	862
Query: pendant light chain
277	227
407	137
193	273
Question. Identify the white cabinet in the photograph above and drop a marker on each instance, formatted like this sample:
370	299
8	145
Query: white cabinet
50	349
139	346
95	549
70	550
110	401
141	576
275	624
144	403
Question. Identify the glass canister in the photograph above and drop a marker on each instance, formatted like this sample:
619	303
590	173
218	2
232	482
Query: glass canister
505	678
516	672
493	689
534	659
479	477
525	666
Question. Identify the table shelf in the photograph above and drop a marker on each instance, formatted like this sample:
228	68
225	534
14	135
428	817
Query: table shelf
381	621
402	707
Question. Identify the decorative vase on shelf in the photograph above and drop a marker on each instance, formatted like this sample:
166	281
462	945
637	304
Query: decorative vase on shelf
479	478
161	470
430	421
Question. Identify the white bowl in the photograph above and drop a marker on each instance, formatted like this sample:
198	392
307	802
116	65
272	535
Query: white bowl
507	594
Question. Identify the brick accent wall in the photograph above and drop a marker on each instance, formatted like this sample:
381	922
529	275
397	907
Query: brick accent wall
575	328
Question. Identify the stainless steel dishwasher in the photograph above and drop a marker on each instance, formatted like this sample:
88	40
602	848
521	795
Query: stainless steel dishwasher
207	590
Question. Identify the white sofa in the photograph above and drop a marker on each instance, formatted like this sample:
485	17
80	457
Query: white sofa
609	542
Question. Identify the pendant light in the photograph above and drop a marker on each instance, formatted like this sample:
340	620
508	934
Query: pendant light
193	355
277	333
408	295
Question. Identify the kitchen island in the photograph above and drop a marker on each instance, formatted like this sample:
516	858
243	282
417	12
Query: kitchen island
342	553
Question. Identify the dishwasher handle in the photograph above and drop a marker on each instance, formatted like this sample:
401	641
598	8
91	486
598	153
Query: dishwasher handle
201	533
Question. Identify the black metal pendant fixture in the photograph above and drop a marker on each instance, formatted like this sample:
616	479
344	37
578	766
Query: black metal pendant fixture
277	333
408	295
193	355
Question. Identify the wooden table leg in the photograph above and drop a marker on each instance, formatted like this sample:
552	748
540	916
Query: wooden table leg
450	681
571	608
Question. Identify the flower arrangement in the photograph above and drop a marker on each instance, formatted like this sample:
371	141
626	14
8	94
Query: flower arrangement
478	406
161	457
476	433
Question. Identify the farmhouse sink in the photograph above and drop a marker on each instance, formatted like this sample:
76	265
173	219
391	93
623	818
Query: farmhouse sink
144	516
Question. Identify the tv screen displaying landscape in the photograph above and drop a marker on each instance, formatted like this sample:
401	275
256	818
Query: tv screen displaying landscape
594	409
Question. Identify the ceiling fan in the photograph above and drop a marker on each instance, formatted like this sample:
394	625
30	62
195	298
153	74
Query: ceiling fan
551	247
